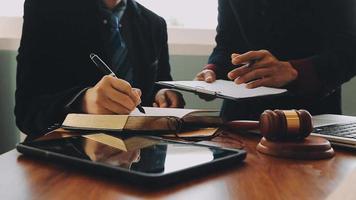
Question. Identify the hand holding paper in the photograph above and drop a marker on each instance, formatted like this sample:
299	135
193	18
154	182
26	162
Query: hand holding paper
266	70
222	89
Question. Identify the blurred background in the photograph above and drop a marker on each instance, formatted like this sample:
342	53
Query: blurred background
190	36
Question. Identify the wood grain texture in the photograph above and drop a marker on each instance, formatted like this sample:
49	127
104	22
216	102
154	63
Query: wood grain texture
260	177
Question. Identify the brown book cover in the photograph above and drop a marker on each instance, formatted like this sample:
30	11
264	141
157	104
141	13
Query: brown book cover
155	120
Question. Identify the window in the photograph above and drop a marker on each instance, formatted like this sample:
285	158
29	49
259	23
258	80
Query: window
10	8
192	14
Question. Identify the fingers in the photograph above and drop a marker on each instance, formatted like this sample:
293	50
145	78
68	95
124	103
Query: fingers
137	91
120	99
111	95
200	76
124	87
161	101
263	69
253	75
233	74
175	99
94	102
247	68
136	95
169	98
115	107
237	59
209	76
119	84
206	75
267	82
234	55
172	99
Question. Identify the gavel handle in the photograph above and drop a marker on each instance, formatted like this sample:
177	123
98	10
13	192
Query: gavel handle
242	125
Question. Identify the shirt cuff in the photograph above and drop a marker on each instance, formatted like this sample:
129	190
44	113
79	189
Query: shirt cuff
307	81
75	104
211	67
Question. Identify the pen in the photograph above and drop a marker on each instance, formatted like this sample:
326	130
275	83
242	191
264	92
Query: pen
250	63
103	67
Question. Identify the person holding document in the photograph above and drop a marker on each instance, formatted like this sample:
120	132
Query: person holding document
307	47
55	75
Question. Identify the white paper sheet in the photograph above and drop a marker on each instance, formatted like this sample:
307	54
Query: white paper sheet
225	88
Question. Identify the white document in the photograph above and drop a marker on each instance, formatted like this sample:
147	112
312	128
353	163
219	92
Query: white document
175	112
223	89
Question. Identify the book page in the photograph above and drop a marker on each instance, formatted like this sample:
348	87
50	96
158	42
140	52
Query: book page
225	88
173	112
95	122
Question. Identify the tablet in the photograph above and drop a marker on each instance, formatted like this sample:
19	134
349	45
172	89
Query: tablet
137	159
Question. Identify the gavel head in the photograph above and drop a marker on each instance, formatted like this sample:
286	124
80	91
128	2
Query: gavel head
285	124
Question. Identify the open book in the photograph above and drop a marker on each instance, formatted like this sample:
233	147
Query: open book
221	89
160	120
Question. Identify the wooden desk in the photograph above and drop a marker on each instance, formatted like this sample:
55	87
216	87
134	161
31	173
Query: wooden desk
260	177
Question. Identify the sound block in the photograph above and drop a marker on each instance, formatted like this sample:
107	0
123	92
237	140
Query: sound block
311	148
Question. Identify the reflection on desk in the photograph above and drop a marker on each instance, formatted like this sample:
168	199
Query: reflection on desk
261	177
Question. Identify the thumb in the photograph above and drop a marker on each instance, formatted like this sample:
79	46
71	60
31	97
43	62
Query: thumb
161	101
200	76
209	76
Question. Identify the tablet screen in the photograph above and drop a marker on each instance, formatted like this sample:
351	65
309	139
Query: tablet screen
140	154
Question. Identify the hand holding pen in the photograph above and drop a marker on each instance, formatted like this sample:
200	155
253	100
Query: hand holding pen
110	95
261	68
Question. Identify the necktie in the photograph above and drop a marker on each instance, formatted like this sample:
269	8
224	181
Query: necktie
115	45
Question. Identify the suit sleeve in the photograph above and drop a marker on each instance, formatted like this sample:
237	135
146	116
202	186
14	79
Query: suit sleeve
228	40
42	91
163	65
335	64
164	68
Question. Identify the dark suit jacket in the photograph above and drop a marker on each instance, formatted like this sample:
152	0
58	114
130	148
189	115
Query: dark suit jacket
53	58
316	36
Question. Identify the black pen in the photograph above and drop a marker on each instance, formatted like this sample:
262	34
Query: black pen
103	67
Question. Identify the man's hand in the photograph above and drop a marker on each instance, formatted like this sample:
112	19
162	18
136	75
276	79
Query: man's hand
265	70
206	75
166	98
111	96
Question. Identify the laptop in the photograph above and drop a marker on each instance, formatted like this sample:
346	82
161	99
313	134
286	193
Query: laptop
338	129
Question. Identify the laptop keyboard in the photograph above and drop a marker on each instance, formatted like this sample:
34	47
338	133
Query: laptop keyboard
346	130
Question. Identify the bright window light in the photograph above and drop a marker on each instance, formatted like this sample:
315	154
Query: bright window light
196	14
11	8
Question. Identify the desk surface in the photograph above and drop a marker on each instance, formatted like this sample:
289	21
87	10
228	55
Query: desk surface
260	177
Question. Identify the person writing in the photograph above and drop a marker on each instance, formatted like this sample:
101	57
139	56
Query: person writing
307	47
55	75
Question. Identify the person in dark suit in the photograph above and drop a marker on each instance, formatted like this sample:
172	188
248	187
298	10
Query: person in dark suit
55	75
307	47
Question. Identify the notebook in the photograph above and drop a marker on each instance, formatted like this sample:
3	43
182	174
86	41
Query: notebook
159	120
221	89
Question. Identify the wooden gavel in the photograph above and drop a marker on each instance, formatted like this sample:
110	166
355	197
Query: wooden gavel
279	125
